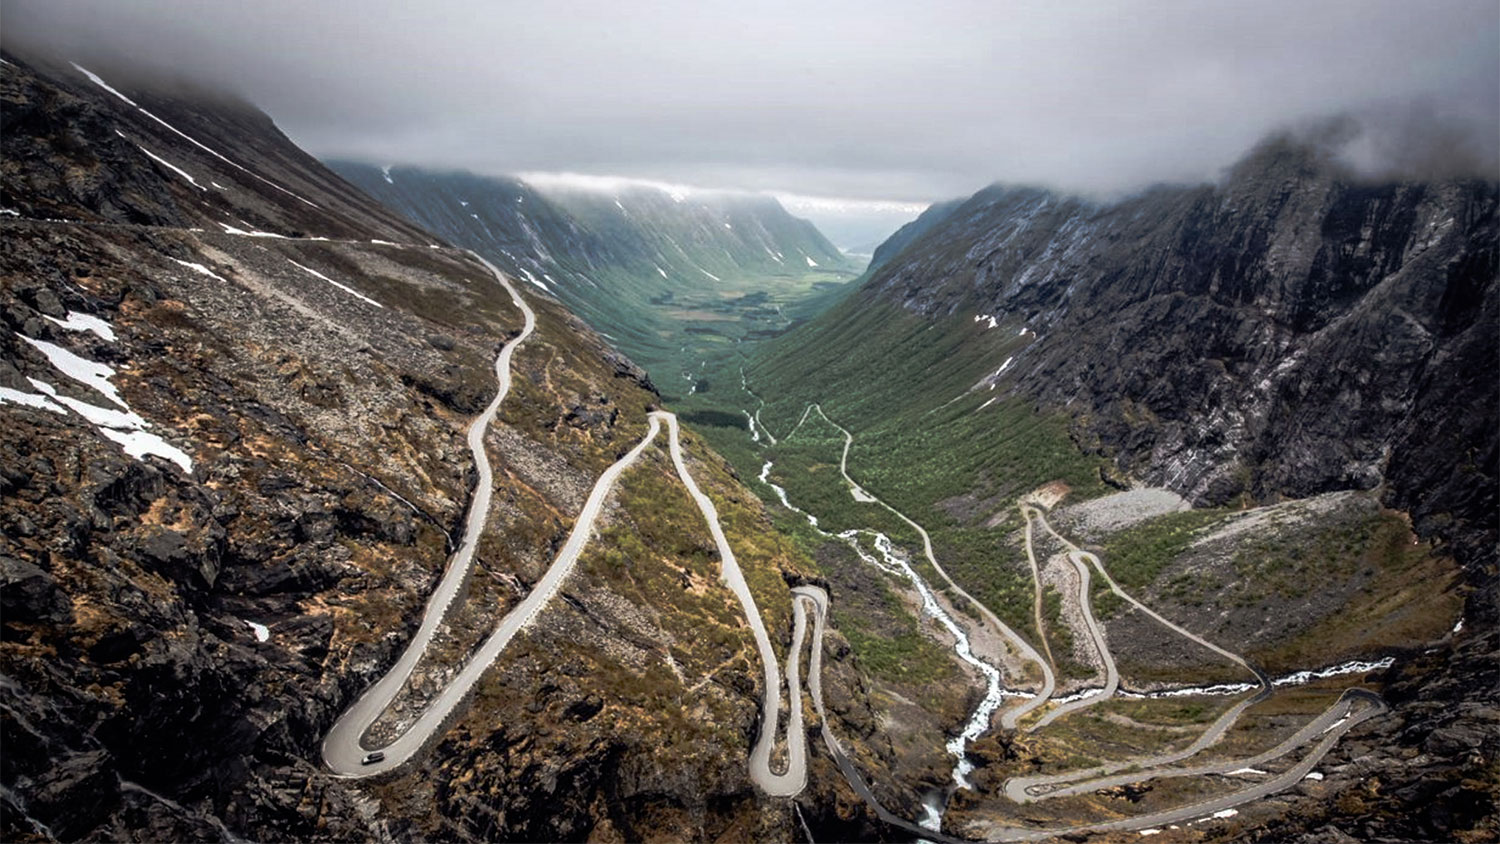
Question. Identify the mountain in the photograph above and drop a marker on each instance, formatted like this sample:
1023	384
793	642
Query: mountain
902	237
1275	349
672	278
235	393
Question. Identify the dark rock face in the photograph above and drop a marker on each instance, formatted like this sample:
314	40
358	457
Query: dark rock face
1286	333
1436	778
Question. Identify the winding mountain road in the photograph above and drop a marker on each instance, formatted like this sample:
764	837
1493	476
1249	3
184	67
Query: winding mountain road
346	754
1096	635
344	750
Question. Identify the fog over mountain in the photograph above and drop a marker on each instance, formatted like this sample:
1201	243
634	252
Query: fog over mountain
854	100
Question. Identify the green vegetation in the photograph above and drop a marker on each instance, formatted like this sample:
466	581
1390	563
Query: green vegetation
1403	591
907	657
951	459
1135	557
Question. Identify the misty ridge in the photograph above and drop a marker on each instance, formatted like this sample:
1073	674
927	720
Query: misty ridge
1418	140
1412	142
856	101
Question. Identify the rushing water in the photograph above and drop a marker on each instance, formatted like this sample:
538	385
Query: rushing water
1296	678
894	563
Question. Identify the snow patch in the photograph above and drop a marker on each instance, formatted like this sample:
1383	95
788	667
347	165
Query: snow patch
1315	776
533	279
85	322
991	320
84	371
1245	772
660	271
384	243
386	172
127	429
262	632
343	287
165	163
228	229
810	261
202	270
35	400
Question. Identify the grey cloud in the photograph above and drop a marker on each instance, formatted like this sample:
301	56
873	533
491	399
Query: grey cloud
889	100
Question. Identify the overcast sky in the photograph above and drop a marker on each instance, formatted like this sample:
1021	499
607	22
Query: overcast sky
895	101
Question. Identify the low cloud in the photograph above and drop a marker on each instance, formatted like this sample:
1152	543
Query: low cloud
867	100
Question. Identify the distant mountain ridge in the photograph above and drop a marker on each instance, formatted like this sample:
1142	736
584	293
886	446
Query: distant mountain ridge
672	279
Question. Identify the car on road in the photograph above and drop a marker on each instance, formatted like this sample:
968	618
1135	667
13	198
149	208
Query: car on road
372	758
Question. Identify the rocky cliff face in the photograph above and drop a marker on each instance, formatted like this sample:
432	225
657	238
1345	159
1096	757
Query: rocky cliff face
1288	332
234	393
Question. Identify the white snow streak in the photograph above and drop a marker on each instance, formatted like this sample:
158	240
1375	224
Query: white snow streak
127	429
85	322
228	229
101	83
30	400
345	288
202	270
84	371
165	163
262	632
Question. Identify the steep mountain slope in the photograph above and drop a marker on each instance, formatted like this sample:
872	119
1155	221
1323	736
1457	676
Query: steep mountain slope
673	279
903	237
235	394
1289	332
